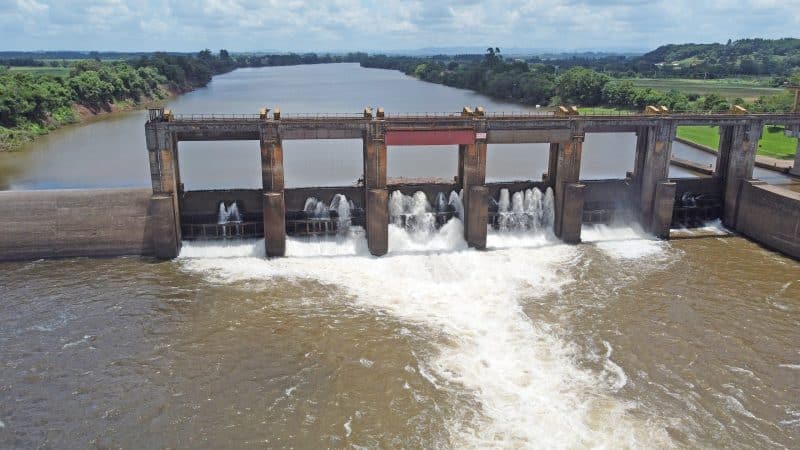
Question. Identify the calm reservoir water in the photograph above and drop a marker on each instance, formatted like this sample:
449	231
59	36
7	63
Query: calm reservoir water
622	341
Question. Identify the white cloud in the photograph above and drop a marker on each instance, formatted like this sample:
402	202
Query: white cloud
385	24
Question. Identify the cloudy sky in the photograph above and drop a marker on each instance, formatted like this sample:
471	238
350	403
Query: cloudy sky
334	25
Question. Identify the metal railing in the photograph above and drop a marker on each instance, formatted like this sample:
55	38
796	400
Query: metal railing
214	231
221	117
541	113
322	116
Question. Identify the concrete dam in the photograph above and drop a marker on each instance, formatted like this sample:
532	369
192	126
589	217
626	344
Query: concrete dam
45	224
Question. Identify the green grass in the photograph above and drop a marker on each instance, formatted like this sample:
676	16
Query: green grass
773	141
729	88
54	71
601	110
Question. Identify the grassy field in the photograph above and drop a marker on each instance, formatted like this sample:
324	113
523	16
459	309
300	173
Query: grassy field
728	88
773	141
54	71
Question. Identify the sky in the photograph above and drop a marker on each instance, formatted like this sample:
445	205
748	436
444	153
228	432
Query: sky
388	25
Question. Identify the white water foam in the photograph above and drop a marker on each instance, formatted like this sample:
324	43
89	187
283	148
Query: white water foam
710	228
530	390
622	242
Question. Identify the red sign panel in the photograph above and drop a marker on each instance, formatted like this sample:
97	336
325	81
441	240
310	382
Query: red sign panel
430	137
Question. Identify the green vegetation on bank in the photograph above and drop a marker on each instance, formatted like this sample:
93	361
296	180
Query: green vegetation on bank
730	89
544	83
34	100
773	143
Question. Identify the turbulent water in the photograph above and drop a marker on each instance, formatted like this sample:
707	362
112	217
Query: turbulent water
622	341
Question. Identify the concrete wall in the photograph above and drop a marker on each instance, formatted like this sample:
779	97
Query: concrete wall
204	202
699	185
72	223
296	197
770	215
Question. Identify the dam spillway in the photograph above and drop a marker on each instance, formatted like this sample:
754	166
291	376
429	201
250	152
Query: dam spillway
646	195
154	222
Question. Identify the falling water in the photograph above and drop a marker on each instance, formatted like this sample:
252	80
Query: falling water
416	215
228	215
341	207
528	210
456	201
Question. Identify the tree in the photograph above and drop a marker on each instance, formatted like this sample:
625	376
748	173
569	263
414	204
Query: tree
715	102
581	85
90	89
492	57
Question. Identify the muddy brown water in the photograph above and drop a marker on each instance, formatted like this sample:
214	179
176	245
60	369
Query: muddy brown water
621	341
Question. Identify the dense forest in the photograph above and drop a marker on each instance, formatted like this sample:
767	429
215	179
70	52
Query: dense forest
31	102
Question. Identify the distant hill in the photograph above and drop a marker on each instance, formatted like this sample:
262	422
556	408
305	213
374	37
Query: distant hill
742	57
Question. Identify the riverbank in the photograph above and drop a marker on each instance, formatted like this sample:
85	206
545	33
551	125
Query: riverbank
15	139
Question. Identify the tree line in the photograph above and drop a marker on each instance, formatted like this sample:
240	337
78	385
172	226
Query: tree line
541	83
33	99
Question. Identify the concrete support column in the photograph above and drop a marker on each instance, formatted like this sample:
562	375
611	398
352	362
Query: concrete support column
663	205
162	150
274	211
572	212
378	221
164	230
273	203
655	169
724	150
376	193
795	170
741	157
472	167
642	144
552	164
568	192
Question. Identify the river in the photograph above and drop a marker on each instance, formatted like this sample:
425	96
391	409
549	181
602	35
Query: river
622	341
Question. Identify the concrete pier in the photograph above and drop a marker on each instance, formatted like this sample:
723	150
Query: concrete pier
663	205
737	157
376	194
274	206
274	224
162	150
654	171
478	218
378	221
472	175
572	212
795	170
643	145
552	165
567	190
165	230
